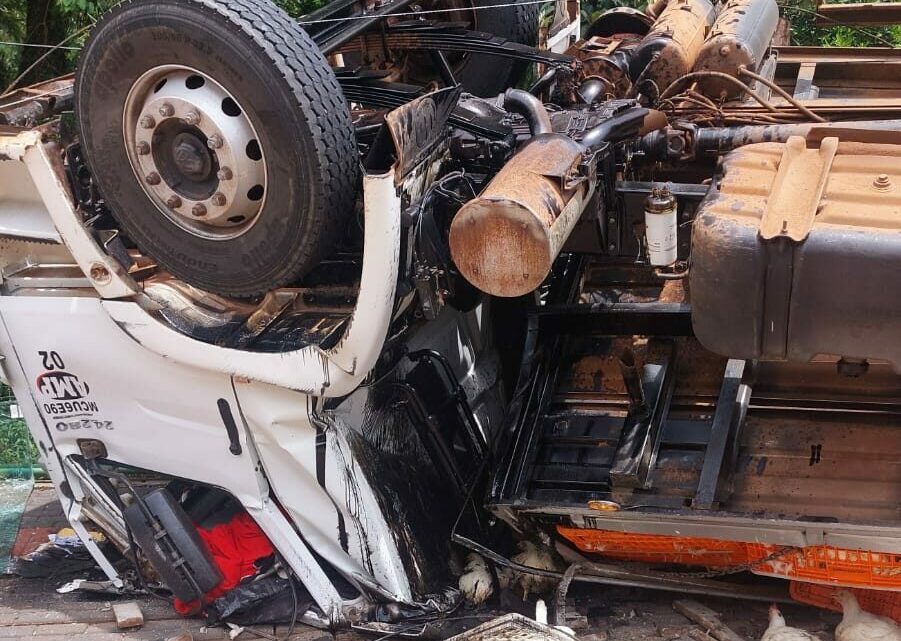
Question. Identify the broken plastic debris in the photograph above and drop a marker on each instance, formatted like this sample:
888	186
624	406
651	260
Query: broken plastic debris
71	586
513	627
62	555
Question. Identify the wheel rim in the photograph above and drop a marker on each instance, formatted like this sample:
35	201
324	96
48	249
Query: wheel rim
195	152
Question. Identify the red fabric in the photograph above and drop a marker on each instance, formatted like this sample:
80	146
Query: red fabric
235	547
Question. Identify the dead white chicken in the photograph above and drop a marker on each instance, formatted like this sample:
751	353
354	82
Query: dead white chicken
476	583
859	625
779	631
533	556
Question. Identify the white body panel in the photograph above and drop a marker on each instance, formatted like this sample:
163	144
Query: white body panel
98	364
148	411
349	532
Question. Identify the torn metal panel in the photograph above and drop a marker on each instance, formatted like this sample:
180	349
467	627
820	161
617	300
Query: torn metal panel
318	481
29	106
418	127
330	373
44	165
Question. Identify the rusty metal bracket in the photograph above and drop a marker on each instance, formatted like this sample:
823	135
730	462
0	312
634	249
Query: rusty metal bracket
854	132
797	189
877	14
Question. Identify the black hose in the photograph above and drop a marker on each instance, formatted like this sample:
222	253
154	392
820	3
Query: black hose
543	82
618	127
529	107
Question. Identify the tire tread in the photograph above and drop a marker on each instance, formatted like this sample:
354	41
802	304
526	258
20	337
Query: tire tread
320	101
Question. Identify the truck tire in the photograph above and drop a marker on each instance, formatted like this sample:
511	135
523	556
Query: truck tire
220	139
488	76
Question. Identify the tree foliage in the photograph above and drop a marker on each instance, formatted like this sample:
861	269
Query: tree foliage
43	23
39	24
16	446
800	13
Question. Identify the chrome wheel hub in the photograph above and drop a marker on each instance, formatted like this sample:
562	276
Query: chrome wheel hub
195	152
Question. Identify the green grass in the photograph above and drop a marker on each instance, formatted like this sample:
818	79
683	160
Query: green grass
16	445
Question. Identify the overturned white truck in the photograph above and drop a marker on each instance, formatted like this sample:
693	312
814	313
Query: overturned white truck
343	277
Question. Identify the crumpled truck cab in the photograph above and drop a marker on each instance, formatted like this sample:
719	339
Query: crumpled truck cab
401	322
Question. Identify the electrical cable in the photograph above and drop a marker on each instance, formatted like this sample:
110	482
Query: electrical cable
744	71
422	13
722	76
406	14
403	630
37	46
43	57
290	574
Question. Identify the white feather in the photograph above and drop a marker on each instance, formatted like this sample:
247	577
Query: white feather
779	631
858	625
534	557
475	583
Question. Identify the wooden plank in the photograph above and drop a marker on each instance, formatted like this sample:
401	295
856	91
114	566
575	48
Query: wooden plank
707	619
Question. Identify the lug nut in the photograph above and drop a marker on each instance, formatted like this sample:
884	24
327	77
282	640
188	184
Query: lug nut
143	148
153	178
166	110
218	199
199	210
147	122
192	118
214	141
882	182
224	174
174	202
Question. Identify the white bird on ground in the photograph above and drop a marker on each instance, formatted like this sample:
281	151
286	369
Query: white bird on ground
477	585
476	582
532	556
859	625
779	631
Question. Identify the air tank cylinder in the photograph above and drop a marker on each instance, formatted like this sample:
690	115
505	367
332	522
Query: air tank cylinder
740	38
661	227
670	48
